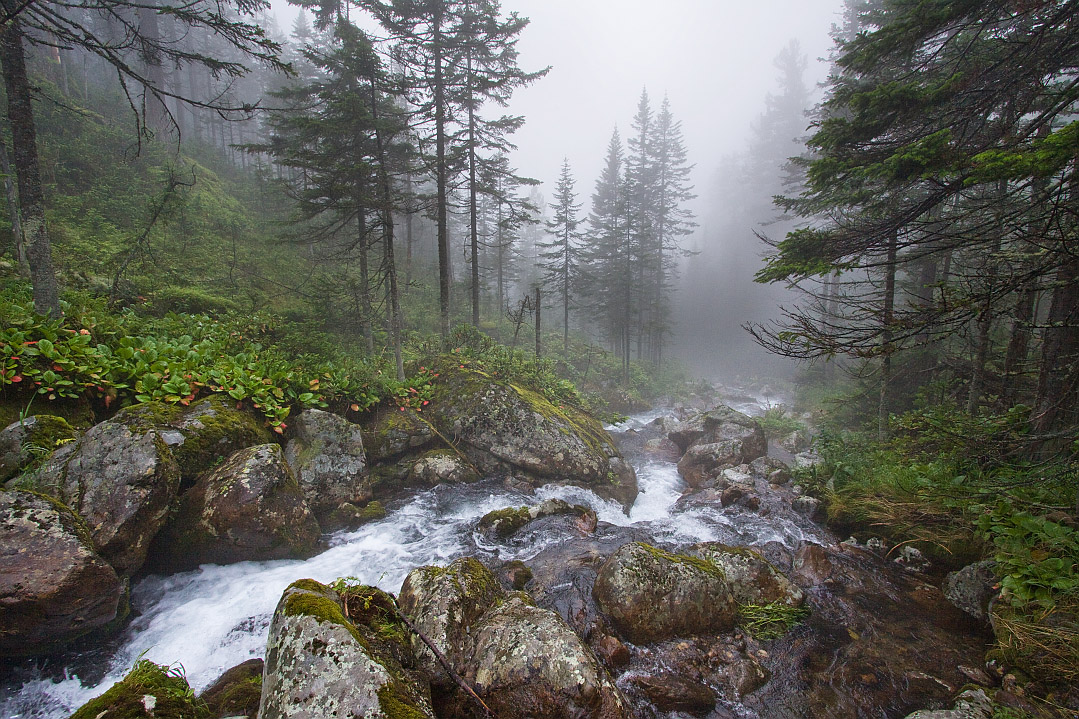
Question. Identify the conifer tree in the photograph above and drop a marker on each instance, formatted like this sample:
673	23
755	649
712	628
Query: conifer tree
559	252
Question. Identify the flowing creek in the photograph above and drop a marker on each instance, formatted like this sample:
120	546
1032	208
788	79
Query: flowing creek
880	640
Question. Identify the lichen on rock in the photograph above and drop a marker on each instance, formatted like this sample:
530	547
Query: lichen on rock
650	595
321	664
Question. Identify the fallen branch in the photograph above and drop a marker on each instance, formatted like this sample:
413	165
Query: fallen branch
457	678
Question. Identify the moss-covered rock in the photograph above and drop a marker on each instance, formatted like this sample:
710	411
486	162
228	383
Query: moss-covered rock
237	692
54	587
249	508
444	604
30	441
527	662
391	432
751	578
505	427
503	523
319	663
650	595
441	466
201	435
121	478
148	690
349	516
325	453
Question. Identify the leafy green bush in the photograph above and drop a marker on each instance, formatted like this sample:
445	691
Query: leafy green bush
173	360
1037	558
777	423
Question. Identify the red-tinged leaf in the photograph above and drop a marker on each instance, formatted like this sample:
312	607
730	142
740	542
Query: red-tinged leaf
84	331
239	405
108	400
280	429
17	378
57	368
425	403
354	407
402	409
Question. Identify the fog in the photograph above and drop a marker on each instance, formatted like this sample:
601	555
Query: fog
714	60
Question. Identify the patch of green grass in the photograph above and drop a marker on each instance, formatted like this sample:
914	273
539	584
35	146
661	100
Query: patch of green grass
772	620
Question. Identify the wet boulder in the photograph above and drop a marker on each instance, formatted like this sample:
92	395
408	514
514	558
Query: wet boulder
502	427
650	595
503	523
149	690
54	587
717	440
325	453
31	439
527	662
750	577
249	508
973	588
350	516
440	466
675	693
444	604
121	478
392	432
321	664
202	434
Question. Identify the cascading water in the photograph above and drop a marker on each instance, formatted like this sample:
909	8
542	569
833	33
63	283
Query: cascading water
215	617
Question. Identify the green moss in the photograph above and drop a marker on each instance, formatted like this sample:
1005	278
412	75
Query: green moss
587	428
308	585
475	581
504	522
240	699
397	704
173	697
702	565
317	604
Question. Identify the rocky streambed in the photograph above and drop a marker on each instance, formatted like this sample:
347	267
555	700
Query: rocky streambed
551	599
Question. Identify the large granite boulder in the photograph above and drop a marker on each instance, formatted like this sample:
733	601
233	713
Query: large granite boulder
523	661
714	440
527	662
202	434
444	604
321	664
502	427
650	595
751	578
249	508
325	453
31	439
53	585
121	478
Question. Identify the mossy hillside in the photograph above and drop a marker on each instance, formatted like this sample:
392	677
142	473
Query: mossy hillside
148	690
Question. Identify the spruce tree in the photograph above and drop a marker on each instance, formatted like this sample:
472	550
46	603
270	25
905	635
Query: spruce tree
559	252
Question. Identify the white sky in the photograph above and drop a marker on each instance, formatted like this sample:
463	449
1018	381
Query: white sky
713	58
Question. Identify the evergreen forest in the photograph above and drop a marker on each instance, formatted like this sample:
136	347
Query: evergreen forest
201	204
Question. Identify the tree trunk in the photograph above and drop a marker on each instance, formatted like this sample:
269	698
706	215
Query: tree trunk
1055	403
985	317
28	173
440	181
473	229
539	306
13	213
887	318
365	285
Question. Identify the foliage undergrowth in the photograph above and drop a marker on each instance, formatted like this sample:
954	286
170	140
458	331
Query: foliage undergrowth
118	357
961	487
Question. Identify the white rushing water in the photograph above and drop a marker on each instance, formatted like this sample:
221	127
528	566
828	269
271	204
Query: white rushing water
216	617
